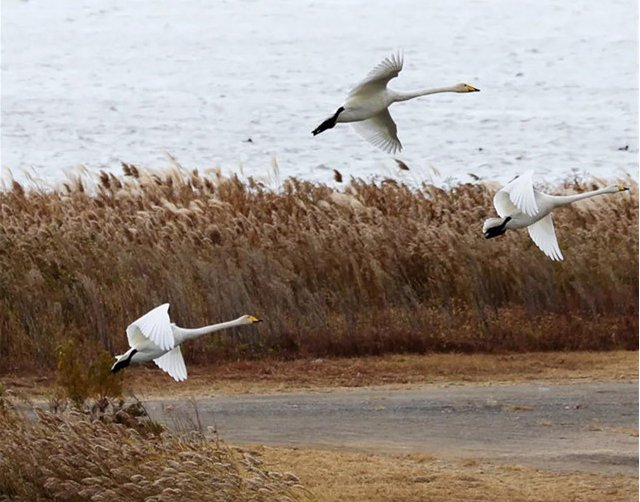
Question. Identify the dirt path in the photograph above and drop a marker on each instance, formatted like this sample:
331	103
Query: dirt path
586	427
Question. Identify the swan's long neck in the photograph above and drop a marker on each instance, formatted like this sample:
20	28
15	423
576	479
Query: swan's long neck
405	95
182	334
563	200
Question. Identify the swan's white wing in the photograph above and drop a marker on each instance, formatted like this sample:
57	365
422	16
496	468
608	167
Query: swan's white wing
504	206
380	130
155	326
544	236
378	78
173	363
521	193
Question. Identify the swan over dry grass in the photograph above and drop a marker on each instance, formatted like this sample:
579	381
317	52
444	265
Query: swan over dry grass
153	337
360	270
521	206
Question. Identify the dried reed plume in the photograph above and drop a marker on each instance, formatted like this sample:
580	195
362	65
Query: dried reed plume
71	457
367	269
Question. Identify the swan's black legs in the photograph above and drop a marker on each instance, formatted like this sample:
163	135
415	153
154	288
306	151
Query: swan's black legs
497	231
329	123
123	363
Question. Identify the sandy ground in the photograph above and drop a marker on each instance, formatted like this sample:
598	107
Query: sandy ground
357	476
578	427
493	442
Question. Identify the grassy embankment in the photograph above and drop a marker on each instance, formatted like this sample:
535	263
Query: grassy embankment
367	270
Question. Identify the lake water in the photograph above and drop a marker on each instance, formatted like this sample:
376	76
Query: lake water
98	82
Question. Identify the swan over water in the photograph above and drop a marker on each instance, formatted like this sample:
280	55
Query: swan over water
367	105
519	205
155	338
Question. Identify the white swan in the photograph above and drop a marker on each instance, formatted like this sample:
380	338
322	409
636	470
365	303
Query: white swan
366	106
155	338
519	206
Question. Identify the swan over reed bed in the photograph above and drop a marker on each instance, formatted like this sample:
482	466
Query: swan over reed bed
367	105
155	338
519	205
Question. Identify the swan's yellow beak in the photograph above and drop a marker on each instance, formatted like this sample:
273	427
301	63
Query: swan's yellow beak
622	188
254	319
470	88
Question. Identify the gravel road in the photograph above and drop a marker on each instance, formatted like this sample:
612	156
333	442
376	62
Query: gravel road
570	427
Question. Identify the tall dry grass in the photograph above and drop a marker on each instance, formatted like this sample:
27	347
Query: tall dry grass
369	269
69	456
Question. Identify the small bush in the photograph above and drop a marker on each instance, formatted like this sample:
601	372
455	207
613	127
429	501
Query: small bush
79	380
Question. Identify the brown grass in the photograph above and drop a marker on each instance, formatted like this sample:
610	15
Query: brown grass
272	375
348	476
372	269
71	457
393	370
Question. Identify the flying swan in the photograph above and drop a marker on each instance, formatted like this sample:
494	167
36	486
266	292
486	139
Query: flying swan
155	338
519	206
366	106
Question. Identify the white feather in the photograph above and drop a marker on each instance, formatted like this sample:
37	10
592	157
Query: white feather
154	326
173	363
543	235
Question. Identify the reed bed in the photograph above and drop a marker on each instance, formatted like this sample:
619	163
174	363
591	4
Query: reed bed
73	456
372	268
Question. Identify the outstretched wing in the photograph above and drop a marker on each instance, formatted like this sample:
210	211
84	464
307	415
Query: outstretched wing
173	363
544	236
155	326
517	195
378	78
381	131
504	206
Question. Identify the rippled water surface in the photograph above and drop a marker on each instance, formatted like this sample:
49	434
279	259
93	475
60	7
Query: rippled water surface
236	84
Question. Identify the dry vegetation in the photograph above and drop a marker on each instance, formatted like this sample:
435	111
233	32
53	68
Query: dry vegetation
115	456
369	270
275	375
350	476
269	375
